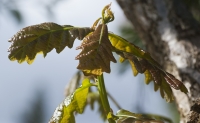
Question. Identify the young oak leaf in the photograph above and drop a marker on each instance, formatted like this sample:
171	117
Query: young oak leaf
122	45
151	73
142	62
96	54
75	102
43	37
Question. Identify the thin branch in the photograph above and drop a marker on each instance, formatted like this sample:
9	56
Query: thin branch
114	101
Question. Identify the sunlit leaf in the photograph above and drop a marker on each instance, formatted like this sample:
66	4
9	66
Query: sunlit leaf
96	52
148	77
121	59
142	62
123	45
135	72
42	38
75	102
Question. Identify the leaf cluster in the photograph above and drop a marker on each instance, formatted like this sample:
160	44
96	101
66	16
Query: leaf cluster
96	54
97	47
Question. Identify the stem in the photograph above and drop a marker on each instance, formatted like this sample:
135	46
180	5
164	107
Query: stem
103	96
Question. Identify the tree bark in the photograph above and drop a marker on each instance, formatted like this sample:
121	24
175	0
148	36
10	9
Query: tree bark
172	36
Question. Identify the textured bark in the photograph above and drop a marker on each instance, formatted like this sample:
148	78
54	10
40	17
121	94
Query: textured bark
172	37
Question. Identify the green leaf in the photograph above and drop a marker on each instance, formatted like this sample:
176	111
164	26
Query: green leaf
42	38
96	54
75	102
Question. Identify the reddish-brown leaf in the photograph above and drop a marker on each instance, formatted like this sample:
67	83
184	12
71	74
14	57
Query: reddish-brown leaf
96	52
140	68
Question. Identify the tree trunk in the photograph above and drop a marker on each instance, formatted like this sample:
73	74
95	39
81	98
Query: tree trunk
172	36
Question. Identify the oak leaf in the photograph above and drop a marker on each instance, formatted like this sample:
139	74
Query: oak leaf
96	54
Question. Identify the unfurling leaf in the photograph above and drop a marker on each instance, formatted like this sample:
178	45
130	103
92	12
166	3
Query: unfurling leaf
43	38
75	102
96	52
142	62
